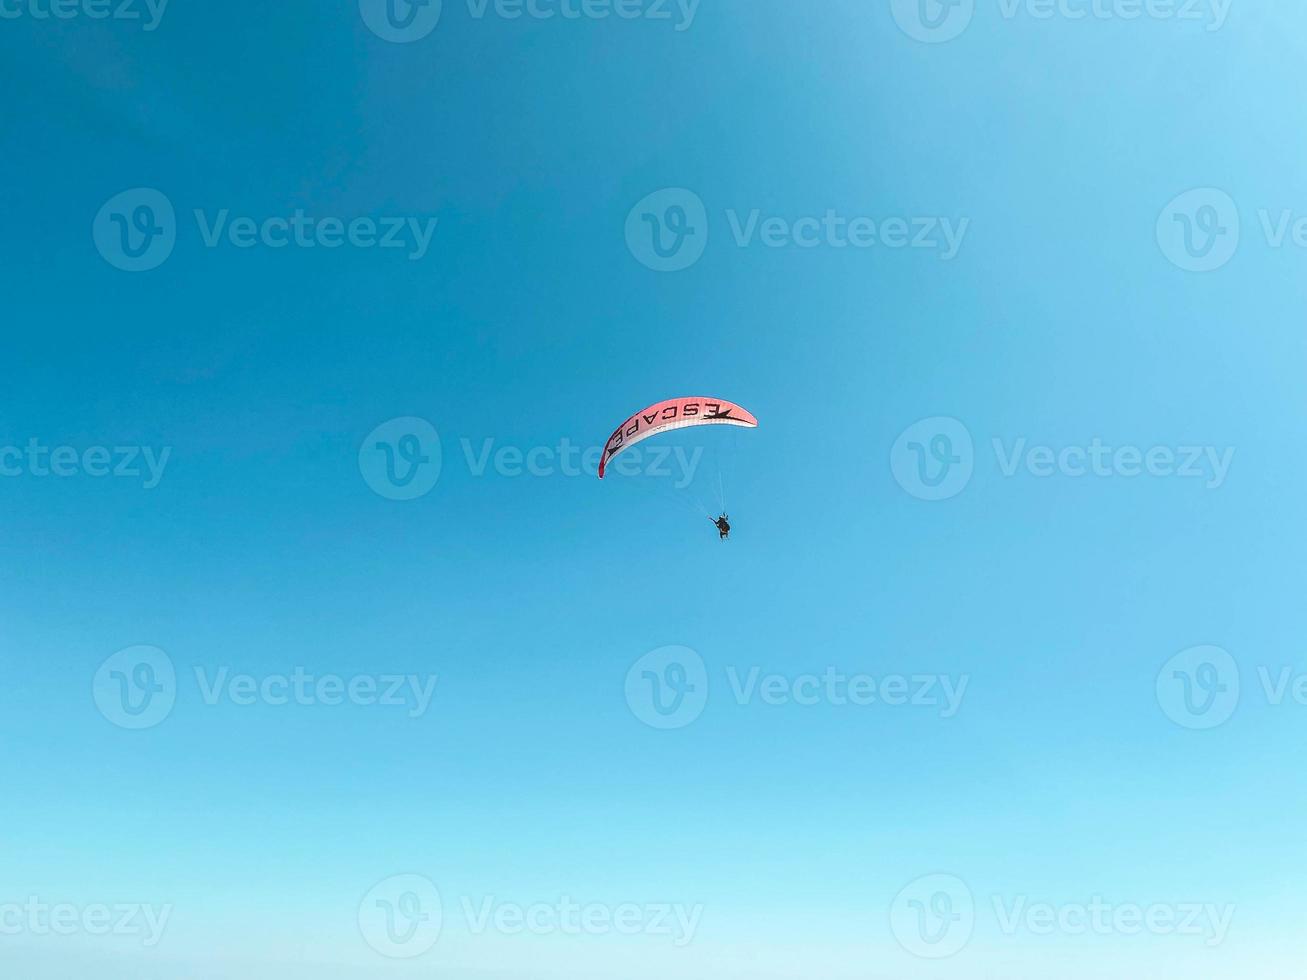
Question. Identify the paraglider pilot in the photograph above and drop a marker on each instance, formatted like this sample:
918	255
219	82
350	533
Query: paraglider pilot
723	526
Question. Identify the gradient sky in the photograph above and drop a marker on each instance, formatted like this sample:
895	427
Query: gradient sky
1073	769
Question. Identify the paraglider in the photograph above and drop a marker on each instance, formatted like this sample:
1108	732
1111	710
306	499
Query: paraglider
678	413
675	413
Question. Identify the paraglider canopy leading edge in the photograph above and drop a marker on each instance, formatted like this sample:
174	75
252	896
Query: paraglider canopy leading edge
675	413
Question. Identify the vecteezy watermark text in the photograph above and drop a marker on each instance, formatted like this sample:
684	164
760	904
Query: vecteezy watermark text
938	21
668	688
1097	458
148	13
935	916
411	691
1207	921
403	916
1212	13
301	230
566	917
35	917
839	689
402	459
935	459
137	230
833	230
668	231
137	688
407	21
570	460
35	459
651	10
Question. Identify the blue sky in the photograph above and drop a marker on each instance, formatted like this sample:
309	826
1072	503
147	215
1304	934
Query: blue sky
800	839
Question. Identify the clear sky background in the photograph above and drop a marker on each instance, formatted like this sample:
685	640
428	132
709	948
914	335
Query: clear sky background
1067	772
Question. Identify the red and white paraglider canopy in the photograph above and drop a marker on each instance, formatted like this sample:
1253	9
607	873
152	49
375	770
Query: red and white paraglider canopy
675	413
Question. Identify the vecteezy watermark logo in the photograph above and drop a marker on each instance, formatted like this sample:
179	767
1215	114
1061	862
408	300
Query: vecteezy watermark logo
136	688
1199	231
668	230
35	917
933	917
401	917
39	460
933	459
933	21
136	230
148	12
668	687
1199	687
401	459
401	21
404	21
